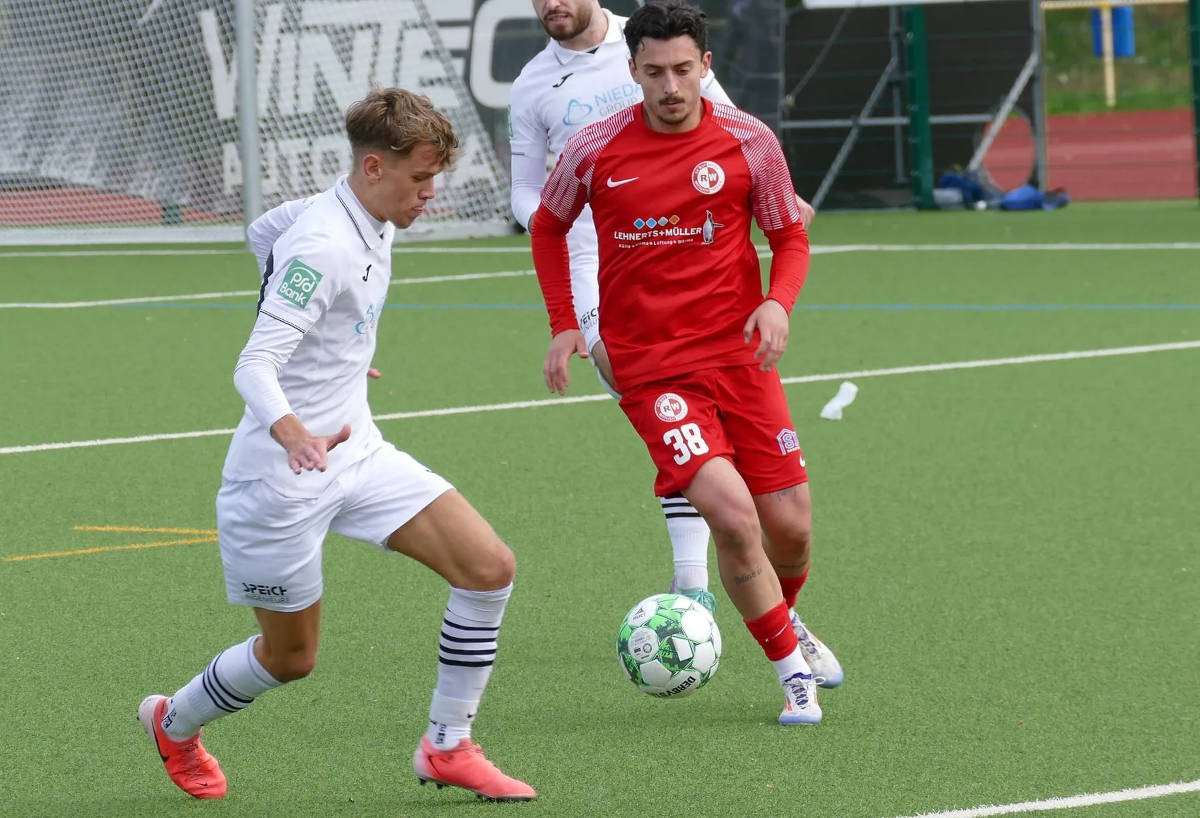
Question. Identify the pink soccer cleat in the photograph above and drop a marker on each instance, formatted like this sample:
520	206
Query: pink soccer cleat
466	766
188	764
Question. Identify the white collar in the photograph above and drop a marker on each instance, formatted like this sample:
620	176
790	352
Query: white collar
369	228
614	34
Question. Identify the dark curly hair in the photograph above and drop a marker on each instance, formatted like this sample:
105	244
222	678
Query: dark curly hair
666	20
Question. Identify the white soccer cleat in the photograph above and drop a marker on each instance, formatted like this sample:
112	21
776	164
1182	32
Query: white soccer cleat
827	670
800	700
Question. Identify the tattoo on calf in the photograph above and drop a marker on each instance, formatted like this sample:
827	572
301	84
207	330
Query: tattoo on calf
744	578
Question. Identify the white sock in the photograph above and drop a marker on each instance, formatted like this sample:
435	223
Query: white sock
466	651
689	542
229	684
790	665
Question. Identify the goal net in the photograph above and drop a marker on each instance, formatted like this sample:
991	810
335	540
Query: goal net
119	118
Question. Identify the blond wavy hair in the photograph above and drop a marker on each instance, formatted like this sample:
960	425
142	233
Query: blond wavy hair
396	120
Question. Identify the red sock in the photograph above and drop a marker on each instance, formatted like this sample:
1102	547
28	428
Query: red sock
791	587
773	630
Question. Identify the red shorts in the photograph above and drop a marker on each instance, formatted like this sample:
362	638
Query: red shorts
738	412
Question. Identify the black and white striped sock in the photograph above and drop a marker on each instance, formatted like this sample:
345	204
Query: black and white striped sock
466	651
689	541
229	684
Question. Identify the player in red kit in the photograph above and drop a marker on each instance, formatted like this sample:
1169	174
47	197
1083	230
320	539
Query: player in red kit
693	344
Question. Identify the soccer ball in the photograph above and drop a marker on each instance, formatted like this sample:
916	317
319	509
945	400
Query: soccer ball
669	645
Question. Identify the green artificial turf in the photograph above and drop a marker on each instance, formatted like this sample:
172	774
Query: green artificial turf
1005	555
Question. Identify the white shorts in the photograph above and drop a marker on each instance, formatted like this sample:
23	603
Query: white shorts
271	545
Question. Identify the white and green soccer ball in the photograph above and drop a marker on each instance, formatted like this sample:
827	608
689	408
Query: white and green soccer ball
669	645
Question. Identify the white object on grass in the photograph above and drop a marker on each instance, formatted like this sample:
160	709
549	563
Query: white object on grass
845	396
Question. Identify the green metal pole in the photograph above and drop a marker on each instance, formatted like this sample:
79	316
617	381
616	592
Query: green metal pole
1193	11
920	134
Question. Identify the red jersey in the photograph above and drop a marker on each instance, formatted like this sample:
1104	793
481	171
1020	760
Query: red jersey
679	274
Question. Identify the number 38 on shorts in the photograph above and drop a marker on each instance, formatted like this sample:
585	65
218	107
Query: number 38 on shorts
687	440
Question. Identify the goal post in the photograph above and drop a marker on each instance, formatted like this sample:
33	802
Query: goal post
125	120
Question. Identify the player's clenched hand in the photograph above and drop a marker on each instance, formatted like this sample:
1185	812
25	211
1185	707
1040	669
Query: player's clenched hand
305	452
770	319
806	211
310	453
562	346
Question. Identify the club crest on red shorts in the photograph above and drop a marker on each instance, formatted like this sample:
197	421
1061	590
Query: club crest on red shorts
670	407
788	442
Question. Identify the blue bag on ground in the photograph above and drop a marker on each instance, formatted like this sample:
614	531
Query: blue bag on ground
1028	197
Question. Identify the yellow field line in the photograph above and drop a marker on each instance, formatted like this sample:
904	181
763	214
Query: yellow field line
208	531
135	547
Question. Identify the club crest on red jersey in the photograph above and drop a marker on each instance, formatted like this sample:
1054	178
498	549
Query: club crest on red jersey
670	407
708	177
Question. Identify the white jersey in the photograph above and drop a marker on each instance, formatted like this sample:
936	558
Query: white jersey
559	91
263	232
325	283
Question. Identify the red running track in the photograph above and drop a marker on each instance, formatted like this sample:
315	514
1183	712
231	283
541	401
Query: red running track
1118	155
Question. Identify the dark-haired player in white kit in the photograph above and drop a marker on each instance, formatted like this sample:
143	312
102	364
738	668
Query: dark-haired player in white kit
307	458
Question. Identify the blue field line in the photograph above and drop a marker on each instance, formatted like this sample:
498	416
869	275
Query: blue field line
803	307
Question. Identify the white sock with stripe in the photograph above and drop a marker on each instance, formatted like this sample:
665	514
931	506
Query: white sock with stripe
229	684
466	652
689	542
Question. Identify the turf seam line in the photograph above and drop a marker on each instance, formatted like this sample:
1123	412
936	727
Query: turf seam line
537	404
104	549
520	248
763	252
154	299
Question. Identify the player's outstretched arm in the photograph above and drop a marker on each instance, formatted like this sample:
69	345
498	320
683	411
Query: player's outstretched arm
770	320
556	370
304	451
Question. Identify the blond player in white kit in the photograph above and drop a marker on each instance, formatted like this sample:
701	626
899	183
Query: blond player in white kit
583	76
307	458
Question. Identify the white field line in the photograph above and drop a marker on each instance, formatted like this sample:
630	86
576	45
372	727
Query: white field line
763	252
537	404
816	249
113	302
1088	800
977	248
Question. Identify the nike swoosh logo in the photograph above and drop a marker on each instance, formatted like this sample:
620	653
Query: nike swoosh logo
619	182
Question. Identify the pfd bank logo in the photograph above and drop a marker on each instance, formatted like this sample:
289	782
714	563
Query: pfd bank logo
299	283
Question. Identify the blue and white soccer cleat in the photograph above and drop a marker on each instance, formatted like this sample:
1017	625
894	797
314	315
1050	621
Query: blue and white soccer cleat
701	595
800	700
827	670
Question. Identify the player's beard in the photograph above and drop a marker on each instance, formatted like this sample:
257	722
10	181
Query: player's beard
673	116
568	28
